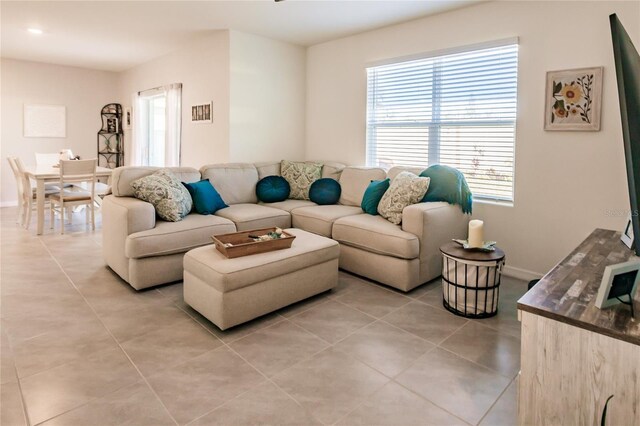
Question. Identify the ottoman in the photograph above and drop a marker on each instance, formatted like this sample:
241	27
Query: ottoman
229	292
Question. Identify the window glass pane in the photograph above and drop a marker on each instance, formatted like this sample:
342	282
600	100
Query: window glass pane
457	109
154	120
157	128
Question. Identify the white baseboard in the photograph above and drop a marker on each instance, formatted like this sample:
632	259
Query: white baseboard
8	203
521	274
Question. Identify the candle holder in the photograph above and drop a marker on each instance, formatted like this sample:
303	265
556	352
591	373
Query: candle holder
487	246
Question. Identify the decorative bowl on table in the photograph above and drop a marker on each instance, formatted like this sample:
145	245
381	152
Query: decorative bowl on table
486	246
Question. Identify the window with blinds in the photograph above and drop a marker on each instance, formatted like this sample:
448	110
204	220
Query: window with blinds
455	109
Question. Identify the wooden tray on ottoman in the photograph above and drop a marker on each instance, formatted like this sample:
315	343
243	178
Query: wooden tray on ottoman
243	245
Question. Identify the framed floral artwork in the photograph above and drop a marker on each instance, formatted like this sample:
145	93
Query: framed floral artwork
573	100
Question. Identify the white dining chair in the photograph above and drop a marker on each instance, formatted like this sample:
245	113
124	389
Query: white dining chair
26	194
75	172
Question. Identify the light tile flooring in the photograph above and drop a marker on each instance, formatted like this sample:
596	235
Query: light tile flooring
81	347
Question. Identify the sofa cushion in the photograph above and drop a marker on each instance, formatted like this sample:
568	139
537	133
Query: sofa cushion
289	205
331	169
325	191
122	177
168	195
268	168
377	235
396	170
405	189
194	230
206	199
272	189
236	182
355	180
255	216
319	219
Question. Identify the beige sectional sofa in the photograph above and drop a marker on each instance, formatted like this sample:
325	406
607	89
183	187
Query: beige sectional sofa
146	251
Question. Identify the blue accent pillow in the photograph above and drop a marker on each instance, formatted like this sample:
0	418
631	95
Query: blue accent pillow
206	199
325	191
373	194
272	189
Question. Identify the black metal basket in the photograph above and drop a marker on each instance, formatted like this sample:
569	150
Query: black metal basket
471	288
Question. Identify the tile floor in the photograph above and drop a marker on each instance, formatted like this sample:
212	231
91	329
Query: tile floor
81	347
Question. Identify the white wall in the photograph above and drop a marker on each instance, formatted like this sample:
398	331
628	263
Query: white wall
565	182
203	69
83	92
267	99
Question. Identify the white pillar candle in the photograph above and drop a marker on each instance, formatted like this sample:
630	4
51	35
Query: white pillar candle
476	233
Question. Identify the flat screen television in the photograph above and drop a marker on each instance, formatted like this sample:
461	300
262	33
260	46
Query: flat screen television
627	63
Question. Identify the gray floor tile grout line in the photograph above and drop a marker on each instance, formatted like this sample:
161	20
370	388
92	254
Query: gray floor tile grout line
282	318
23	403
404	387
331	346
114	339
381	319
25	414
498	399
268	379
465	358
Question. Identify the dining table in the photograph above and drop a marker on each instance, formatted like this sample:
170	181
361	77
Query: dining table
44	174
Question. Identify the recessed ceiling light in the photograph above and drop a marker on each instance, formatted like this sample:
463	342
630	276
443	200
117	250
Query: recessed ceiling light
35	31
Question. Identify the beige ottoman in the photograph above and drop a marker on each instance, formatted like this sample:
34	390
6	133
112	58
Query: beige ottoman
232	291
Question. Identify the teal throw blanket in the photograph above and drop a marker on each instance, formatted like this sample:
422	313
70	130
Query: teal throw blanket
448	184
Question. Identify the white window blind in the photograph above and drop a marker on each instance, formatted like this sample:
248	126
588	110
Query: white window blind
456	109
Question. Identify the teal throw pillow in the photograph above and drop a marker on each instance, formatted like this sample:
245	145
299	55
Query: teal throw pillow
325	191
272	189
373	194
206	199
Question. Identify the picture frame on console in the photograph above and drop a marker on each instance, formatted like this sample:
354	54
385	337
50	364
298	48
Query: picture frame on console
627	235
619	285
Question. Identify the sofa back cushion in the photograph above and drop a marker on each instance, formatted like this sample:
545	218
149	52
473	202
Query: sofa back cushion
395	170
122	177
235	182
330	169
355	180
268	168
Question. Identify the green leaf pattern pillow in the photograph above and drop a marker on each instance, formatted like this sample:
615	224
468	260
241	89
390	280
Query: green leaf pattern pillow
300	177
405	189
168	195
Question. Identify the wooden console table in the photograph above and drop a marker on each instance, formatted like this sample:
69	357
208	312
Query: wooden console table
574	355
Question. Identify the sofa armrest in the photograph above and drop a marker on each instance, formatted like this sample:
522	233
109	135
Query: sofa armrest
121	217
128	213
434	223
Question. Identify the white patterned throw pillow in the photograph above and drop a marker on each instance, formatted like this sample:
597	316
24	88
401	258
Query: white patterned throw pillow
406	189
168	195
300	177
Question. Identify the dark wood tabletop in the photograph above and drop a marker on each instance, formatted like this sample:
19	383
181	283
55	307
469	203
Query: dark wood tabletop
568	292
454	249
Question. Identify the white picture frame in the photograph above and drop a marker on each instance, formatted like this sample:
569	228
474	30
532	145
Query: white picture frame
202	113
44	121
603	299
627	235
573	99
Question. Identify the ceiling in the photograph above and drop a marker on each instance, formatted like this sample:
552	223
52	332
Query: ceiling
117	35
